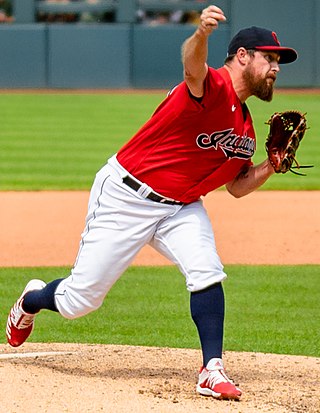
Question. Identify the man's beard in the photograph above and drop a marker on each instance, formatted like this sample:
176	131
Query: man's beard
259	87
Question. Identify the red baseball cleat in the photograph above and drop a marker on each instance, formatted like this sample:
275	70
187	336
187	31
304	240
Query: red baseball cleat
214	382
20	324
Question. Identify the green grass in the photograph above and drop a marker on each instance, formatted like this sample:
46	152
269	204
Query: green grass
59	141
269	309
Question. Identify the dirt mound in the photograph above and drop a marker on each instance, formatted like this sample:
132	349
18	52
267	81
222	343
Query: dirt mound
116	379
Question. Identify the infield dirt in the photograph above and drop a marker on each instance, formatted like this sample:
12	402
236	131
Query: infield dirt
43	228
265	227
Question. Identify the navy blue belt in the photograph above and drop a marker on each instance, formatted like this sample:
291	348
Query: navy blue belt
135	185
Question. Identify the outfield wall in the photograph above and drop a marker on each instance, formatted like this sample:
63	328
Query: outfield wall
124	55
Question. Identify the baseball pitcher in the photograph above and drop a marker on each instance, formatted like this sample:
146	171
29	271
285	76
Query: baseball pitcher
201	137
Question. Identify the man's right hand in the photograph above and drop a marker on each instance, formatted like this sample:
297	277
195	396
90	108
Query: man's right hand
210	18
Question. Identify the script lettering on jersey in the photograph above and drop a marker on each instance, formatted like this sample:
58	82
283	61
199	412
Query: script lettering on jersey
232	145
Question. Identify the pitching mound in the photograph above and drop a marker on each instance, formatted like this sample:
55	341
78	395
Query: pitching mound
58	378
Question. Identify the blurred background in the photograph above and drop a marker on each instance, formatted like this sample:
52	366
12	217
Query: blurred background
72	44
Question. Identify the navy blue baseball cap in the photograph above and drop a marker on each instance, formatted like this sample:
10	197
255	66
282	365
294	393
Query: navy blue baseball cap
257	38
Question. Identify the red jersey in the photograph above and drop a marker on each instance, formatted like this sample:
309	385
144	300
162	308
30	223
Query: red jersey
192	146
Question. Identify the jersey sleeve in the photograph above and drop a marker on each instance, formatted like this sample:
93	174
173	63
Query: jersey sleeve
214	87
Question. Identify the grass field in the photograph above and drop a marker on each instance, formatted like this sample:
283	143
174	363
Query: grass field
59	141
269	309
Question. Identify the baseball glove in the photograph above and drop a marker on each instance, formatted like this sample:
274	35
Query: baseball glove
285	133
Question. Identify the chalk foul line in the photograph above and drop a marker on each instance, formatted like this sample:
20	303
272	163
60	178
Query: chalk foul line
9	356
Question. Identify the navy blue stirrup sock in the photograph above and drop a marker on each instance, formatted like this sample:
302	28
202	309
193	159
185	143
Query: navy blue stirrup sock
207	311
36	300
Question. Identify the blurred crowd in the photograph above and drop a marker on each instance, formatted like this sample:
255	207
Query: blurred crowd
5	11
142	16
177	16
86	17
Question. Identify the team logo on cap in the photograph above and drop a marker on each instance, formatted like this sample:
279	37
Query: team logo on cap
274	35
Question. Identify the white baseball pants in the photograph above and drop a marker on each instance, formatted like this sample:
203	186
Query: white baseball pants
119	223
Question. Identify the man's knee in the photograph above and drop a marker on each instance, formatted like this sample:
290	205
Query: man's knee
72	303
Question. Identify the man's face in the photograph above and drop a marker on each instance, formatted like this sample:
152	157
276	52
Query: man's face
261	73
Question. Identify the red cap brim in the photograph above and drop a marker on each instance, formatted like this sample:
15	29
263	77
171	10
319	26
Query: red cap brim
287	55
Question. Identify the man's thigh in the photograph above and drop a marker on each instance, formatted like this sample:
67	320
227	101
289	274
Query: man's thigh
187	239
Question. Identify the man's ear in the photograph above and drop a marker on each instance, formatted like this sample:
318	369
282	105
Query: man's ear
242	55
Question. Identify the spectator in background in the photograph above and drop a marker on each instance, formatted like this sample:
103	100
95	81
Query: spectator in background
84	17
164	17
6	11
96	17
152	18
142	16
58	17
190	17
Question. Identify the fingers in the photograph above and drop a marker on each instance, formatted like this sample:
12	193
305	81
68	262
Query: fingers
210	18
